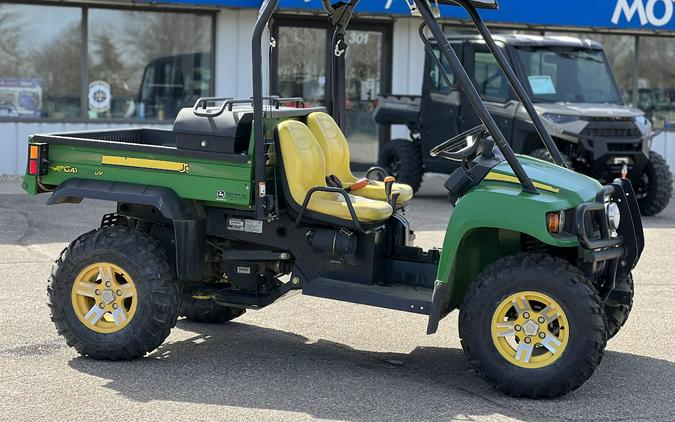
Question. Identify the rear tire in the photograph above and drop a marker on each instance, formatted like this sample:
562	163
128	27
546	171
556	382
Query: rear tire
402	158
561	304
205	310
107	271
658	186
617	313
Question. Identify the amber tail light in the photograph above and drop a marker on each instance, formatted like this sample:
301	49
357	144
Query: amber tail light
37	159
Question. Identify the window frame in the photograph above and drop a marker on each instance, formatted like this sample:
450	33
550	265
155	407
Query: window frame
84	55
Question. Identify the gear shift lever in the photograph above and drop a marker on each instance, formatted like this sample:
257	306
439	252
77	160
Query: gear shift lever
388	185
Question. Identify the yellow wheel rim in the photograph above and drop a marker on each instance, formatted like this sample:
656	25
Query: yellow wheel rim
104	297
530	329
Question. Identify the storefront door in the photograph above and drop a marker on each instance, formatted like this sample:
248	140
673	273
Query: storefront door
300	64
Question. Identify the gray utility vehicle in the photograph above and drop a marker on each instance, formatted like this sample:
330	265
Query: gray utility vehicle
573	89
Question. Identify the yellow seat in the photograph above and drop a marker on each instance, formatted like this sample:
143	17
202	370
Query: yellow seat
304	169
336	150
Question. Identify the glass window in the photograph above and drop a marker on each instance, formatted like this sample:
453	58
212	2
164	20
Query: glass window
489	78
40	52
363	64
147	65
656	82
301	63
569	74
301	60
438	81
620	52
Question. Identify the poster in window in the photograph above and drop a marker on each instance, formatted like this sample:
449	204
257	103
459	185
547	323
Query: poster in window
20	97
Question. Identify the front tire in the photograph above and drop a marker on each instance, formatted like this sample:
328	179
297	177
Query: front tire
402	158
656	187
113	295
532	326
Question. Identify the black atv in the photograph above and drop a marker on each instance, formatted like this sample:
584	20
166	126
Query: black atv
573	90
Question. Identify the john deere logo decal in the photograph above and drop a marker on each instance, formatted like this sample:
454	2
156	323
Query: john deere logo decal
64	169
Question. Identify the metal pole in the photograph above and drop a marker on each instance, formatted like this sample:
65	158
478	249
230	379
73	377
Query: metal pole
339	18
260	189
636	73
473	96
514	82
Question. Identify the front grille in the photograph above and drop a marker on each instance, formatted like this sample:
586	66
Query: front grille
623	147
611	132
612	128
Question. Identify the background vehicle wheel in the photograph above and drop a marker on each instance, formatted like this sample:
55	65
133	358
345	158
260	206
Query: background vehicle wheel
113	295
543	154
656	186
532	326
198	308
617	313
402	158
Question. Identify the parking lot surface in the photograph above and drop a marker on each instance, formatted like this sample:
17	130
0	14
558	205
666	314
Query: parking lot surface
304	358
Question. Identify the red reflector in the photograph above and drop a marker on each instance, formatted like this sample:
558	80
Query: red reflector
33	167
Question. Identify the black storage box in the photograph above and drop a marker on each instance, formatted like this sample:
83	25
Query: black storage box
229	132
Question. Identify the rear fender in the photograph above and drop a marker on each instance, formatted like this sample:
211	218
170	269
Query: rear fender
188	216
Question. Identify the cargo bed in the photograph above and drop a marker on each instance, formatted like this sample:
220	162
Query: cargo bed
154	141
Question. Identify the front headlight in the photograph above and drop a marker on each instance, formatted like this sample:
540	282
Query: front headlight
641	120
613	215
559	118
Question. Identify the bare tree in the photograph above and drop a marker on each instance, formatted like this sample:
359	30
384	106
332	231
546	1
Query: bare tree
11	55
57	64
150	36
109	66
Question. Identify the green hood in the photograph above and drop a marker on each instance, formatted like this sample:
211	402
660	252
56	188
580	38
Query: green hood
552	178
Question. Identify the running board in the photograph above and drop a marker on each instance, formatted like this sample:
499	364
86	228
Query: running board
399	297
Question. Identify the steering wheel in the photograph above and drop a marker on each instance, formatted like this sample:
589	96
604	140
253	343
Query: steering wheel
463	146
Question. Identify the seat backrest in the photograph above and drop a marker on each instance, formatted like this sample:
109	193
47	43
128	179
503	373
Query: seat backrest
334	145
302	158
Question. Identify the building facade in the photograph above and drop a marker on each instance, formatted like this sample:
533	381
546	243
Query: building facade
76	65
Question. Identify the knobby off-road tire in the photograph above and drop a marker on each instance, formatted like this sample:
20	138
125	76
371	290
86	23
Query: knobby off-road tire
617	313
143	285
659	186
543	154
402	158
533	275
205	310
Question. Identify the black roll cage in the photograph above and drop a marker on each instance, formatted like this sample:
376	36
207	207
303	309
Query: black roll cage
339	15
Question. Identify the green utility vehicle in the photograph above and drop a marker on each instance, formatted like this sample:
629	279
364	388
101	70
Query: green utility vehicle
245	201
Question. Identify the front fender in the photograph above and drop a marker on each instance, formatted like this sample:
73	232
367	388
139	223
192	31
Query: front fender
487	224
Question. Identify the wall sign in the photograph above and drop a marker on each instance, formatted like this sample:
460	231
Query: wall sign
609	14
99	96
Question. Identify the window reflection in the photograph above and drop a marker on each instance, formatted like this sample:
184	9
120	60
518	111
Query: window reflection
40	52
656	84
147	65
301	64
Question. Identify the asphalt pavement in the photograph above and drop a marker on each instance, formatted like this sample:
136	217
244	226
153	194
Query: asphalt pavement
304	358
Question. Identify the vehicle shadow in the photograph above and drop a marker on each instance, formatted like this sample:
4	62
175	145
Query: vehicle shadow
246	366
